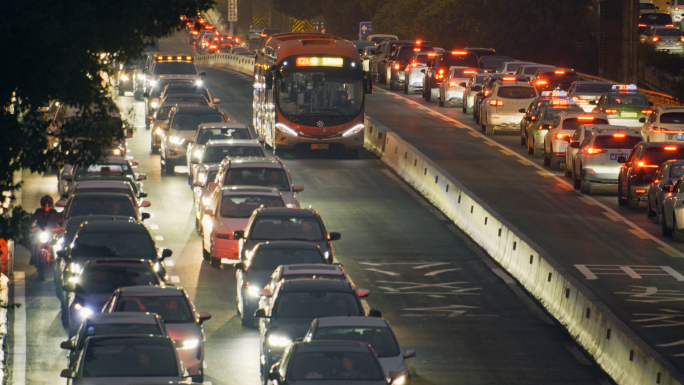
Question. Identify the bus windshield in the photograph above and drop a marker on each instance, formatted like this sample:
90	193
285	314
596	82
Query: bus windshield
332	95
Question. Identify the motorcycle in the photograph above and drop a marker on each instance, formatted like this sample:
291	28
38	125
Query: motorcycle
43	250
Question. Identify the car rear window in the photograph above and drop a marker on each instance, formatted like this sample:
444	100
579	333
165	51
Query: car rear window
531	70
257	176
668	32
594	88
655	19
242	206
215	154
316	304
90	244
613	142
516	92
323	367
380	339
464	73
565	77
282	228
268	258
106	279
492	61
122	329
628	99
135	357
672	117
676	171
658	155
452	60
574	123
551	113
424	59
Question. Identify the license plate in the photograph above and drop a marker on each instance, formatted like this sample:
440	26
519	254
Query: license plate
680	136
319	146
615	156
629	115
669	43
514	120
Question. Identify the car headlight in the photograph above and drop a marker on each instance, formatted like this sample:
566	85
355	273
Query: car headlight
206	201
399	380
157	267
190	344
75	268
83	311
116	152
125	78
198	82
44	237
176	140
354	130
141	76
75	279
158	131
154	83
286	130
254	291
60	244
154	104
278	341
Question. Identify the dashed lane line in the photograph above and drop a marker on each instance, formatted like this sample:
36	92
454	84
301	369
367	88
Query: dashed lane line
638	234
611	216
159	237
561	180
174	279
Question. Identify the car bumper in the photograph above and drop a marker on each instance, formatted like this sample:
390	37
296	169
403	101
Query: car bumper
662	137
289	142
601	174
415	80
225	248
506	121
539	136
640	191
559	147
634	123
454	95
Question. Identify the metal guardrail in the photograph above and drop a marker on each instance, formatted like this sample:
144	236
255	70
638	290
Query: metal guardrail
658	98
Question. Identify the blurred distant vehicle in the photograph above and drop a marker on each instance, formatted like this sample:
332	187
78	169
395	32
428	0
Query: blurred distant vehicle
676	10
415	71
473	86
653	18
435	75
665	39
584	91
480	52
665	123
378	38
550	78
491	63
452	88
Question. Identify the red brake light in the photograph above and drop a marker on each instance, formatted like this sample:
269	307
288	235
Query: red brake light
498	103
416	49
396	66
432	54
656	38
676	8
559	72
641	25
533	118
584	118
541	82
642	164
459	53
418	41
486	93
594	151
618	135
414	64
610	110
670	148
647	112
452	84
669	25
509	78
441	71
237	40
562	136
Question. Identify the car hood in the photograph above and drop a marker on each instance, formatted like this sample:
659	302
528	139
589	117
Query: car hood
184	331
126	380
185	134
259	277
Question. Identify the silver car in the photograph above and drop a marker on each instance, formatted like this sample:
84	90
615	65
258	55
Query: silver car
473	86
673	212
565	124
668	39
663	125
509	67
374	331
596	161
183	322
415	71
676	10
584	91
528	70
214	151
667	175
453	87
580	134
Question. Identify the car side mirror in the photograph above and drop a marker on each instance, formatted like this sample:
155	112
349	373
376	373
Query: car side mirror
240	266
476	88
574	144
202	73
67	177
410	354
144	216
622	159
67	373
141	177
375	313
593	102
166	253
217	100
204	316
668	188
239	234
298	187
362	293
334	236
145	204
522	110
150	118
260	313
142	195
422	71
68	345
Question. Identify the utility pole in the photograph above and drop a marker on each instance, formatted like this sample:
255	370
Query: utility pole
618	39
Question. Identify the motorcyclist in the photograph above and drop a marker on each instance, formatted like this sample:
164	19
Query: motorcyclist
44	218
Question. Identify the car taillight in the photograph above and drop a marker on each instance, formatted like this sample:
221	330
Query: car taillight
533	118
669	25
396	67
487	92
656	38
195	32
641	25
452	84
676	8
509	78
660	129
647	112
644	165
224	236
469	72
610	110
212	46
414	65
498	103
541	82
441	71
670	148
578	99
559	72
681	38
618	135
594	151
562	136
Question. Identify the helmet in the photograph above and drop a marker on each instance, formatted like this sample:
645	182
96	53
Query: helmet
46	201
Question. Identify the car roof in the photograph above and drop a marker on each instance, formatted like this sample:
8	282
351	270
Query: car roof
144	291
332	346
122	184
241	190
197	109
118	262
670	109
289	245
312	268
131	225
287	212
122	317
222	125
574	114
313	285
253	161
232	142
146	339
360	321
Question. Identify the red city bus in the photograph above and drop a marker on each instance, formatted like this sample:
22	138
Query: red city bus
309	93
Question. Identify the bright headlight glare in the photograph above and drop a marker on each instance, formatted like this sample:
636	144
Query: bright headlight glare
280	341
154	83
44	237
158	131
154	104
125	78
75	268
199	82
253	291
116	152
354	130
74	279
176	140
190	344
286	130
206	201
85	312
157	267
399	380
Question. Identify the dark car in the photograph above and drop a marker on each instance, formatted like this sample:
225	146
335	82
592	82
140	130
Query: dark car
254	274
667	175
292	308
183	322
481	52
90	289
554	79
435	75
285	224
653	18
400	59
491	63
379	65
102	203
487	88
638	170
337	362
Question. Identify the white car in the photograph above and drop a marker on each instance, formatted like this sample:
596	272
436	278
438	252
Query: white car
676	10
452	88
366	55
665	124
667	175
528	70
214	151
556	140
501	109
673	212
596	162
509	67
584	91
415	71
580	134
473	86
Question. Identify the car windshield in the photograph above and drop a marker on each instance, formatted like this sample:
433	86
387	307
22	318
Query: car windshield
574	123
189	121
316	304
380	339
90	244
655	19
163	113
242	206
531	70
257	176
626	142
672	118
658	155
106	279
134	357
119	329
103	204
172	309
668	32
126	191
643	6
516	92
269	258
594	88
207	134
175	68
215	154
676	171
282	228
450	59
336	366
628	100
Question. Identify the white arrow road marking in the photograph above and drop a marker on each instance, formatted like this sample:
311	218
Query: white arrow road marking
433	273
391	273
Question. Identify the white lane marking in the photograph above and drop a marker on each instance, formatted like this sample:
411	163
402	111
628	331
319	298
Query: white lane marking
366	307
433	273
425	266
154	227
390	273
19	351
505	277
578	355
159	237
681	342
169	263
673	273
611	216
174	279
561	180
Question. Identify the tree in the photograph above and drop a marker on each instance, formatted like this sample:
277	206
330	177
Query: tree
63	50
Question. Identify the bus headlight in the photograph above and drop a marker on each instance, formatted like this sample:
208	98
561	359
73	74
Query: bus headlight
354	130
286	130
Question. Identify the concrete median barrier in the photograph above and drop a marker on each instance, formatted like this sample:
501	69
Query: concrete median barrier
241	63
623	355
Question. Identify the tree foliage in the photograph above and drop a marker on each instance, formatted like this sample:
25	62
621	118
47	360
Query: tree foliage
63	50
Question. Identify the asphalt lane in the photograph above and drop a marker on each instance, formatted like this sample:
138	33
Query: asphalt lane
618	254
444	298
